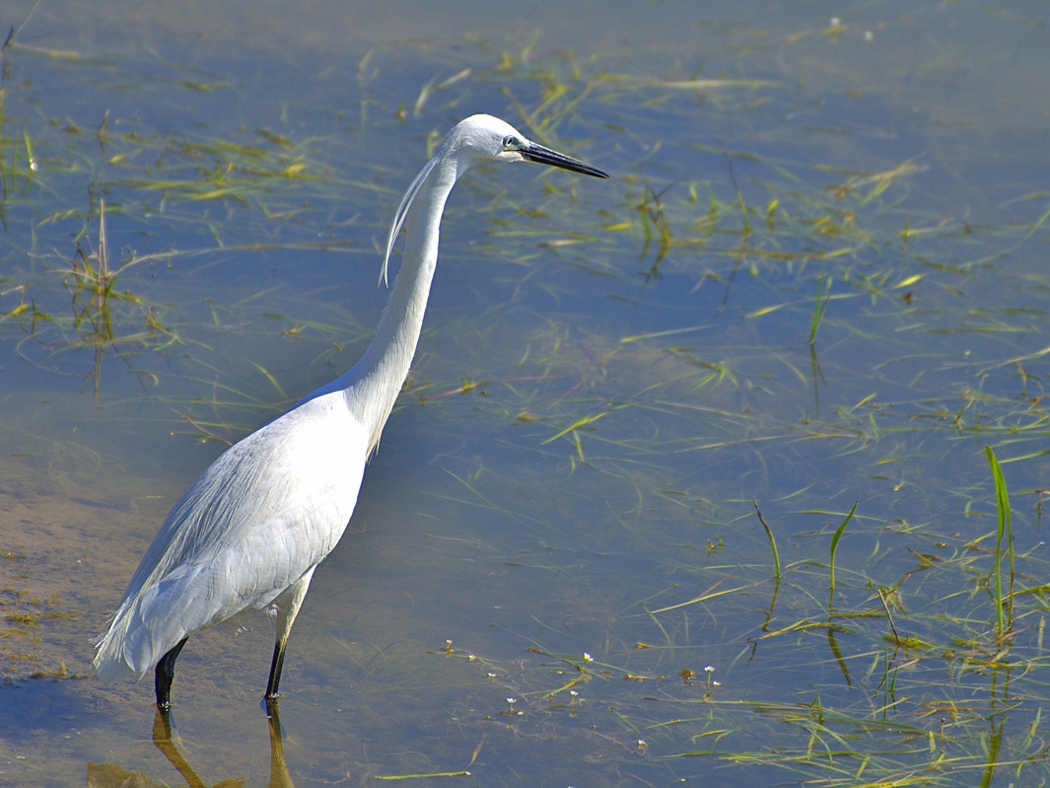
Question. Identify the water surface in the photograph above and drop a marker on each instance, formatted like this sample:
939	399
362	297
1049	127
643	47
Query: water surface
558	537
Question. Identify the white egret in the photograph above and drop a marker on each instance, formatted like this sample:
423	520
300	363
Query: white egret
251	530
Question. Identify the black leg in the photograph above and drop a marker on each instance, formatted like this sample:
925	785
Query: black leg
287	608
275	669
165	673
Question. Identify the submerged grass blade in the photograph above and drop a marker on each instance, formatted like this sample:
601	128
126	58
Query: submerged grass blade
575	426
836	652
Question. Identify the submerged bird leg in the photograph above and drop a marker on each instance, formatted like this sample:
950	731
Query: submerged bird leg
165	673
287	609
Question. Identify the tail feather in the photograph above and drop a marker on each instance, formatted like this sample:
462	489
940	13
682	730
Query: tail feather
152	619
110	662
149	624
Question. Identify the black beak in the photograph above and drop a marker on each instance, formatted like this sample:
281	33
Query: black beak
542	155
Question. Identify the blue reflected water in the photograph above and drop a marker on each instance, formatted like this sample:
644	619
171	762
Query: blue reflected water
558	536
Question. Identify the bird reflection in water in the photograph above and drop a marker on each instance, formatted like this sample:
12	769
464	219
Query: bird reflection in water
167	740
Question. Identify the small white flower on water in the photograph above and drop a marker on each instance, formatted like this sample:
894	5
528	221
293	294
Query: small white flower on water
834	21
710	669
491	675
587	657
574	693
716	683
642	744
471	658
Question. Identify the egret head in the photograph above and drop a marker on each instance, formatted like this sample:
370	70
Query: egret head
481	138
476	140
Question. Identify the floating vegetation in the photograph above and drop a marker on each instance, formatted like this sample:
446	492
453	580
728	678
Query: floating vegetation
24	614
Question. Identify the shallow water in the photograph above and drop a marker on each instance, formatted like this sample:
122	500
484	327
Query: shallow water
611	375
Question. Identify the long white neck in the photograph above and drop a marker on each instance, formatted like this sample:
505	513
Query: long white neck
373	383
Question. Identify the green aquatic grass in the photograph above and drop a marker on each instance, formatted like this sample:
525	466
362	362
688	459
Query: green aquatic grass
1003	603
833	549
820	304
772	542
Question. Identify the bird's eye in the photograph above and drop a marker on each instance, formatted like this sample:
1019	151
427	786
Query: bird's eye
510	142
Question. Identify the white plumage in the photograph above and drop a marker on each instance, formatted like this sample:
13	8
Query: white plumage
255	522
